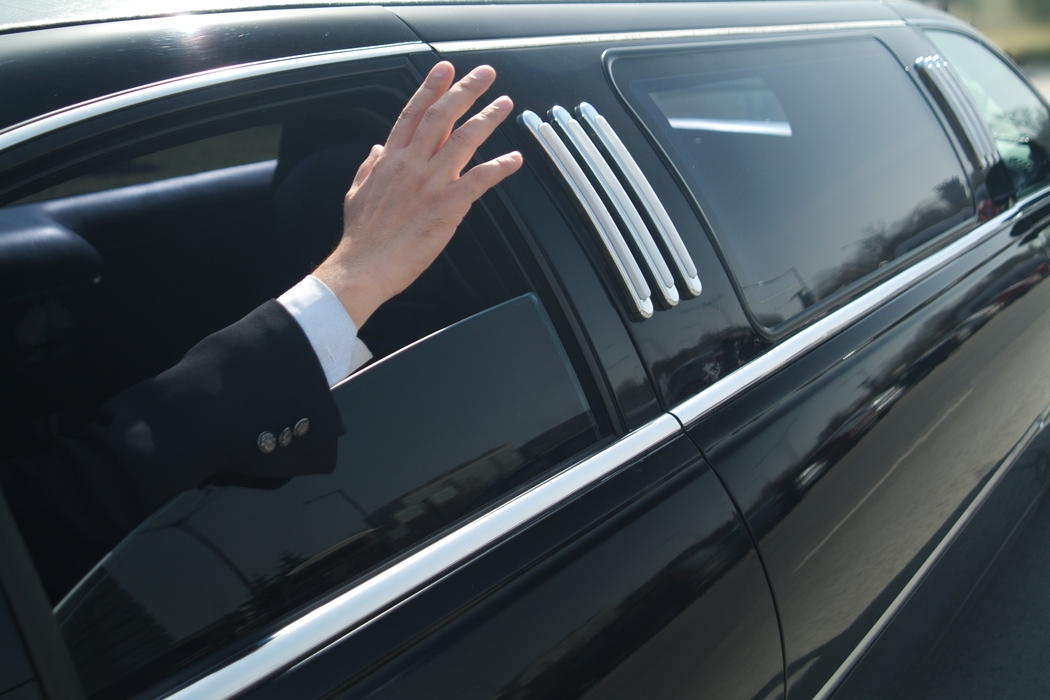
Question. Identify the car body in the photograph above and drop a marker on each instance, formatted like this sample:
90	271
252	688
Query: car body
730	392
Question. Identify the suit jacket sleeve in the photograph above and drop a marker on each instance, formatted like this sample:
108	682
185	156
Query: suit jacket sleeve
197	421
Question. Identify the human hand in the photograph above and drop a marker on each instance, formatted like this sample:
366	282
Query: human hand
410	194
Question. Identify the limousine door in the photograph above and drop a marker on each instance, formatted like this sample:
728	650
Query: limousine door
644	583
906	376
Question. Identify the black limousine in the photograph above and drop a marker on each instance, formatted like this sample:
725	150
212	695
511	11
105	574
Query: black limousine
732	391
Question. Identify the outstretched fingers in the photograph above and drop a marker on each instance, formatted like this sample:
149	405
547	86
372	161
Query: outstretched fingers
437	122
434	86
476	181
460	146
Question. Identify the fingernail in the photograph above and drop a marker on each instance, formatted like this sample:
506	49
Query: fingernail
483	73
503	102
514	157
440	71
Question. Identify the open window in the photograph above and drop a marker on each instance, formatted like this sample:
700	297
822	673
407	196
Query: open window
166	222
123	245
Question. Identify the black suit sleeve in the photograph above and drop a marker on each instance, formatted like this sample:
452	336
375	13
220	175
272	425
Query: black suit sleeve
197	421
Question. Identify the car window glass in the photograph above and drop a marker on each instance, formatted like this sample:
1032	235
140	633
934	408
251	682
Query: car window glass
235	148
1018	119
435	432
816	164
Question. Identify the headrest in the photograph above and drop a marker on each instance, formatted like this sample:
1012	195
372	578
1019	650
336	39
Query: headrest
301	139
39	258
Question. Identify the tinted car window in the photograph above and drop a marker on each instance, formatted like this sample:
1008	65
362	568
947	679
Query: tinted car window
815	163
435	432
1018	119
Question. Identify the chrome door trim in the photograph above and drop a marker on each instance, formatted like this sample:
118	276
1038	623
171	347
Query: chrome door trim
631	172
665	35
793	347
340	616
909	588
632	220
601	219
19	133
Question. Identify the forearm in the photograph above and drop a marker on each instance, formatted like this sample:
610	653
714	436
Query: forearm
198	420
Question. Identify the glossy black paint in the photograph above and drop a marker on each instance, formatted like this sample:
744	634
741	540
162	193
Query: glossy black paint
46	70
625	373
548	211
490	21
873	442
683	349
901	656
644	586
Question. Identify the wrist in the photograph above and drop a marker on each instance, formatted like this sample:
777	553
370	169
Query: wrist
358	294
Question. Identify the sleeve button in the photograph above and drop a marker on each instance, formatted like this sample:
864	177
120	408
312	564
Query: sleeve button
267	442
302	427
286	437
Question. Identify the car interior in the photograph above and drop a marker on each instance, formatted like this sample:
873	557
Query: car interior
108	286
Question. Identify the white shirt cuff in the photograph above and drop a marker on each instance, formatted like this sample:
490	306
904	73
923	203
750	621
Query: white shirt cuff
328	327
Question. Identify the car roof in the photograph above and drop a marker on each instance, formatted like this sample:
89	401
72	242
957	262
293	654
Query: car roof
85	49
16	15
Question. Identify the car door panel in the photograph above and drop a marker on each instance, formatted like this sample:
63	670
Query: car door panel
645	585
851	465
936	612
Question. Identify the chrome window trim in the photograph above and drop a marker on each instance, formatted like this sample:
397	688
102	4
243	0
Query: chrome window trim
794	346
629	168
336	618
593	206
913	583
636	227
19	133
664	35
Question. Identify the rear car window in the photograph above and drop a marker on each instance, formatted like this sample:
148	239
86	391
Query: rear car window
815	164
1018	119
